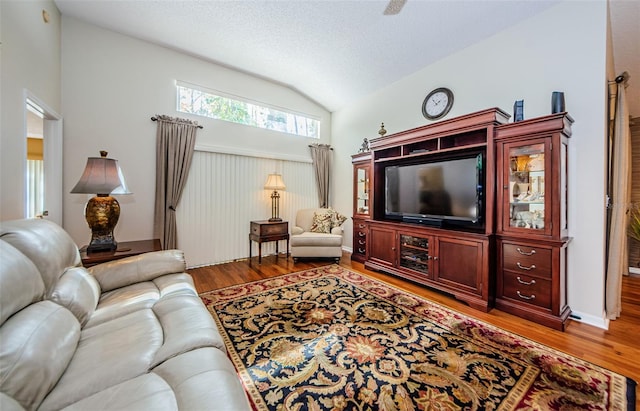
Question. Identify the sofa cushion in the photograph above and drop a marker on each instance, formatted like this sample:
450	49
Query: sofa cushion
186	325
146	392
38	343
46	244
190	375
20	279
316	240
108	354
78	291
9	404
124	300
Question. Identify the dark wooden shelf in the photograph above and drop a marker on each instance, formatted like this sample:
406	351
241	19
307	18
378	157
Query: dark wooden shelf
125	249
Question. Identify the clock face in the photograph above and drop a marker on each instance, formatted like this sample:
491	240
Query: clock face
437	103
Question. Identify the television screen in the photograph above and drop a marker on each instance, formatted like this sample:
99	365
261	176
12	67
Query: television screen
442	190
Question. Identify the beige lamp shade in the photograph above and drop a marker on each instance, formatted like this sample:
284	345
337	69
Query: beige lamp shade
274	182
101	175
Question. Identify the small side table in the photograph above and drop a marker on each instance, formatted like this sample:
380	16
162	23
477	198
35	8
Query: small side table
125	249
264	231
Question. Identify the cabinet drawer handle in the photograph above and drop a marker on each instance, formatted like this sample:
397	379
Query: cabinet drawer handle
361	250
532	252
531	297
522	267
361	242
532	282
435	258
361	226
361	234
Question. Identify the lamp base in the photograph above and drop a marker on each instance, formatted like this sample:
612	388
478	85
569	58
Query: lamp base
275	219
102	213
98	245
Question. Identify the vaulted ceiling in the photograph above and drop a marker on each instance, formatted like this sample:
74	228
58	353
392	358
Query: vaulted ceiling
334	52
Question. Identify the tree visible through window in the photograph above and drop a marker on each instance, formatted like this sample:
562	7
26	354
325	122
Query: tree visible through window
203	103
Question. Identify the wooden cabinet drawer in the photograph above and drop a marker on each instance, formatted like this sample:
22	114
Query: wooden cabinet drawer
360	245
527	289
263	230
527	260
360	234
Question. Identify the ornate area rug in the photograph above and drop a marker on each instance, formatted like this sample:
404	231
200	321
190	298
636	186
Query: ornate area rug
333	339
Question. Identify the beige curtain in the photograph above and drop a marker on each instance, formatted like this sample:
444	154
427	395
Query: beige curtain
321	156
620	193
176	139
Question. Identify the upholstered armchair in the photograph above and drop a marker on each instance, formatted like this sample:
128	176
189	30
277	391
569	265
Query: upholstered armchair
317	233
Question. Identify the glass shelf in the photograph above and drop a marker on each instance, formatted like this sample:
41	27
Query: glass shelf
414	253
527	186
362	191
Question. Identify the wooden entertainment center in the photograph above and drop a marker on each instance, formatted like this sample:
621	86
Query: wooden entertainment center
513	253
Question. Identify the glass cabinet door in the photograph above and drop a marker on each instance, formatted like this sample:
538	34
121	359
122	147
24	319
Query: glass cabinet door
526	175
414	253
362	190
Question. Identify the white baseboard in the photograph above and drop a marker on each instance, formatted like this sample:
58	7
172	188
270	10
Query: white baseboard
634	271
347	249
600	322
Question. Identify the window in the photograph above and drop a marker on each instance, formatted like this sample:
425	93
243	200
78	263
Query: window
205	103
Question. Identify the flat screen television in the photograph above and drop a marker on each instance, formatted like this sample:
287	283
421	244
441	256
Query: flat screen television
437	192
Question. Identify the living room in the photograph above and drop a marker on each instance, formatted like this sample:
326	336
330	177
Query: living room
107	85
92	68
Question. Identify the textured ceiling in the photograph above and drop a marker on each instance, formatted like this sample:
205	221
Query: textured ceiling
332	51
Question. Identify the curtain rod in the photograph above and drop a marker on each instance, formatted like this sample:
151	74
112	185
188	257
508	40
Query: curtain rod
156	119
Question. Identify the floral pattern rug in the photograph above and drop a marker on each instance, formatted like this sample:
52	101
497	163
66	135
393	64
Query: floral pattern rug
332	339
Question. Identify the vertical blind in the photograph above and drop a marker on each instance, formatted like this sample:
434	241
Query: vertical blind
224	192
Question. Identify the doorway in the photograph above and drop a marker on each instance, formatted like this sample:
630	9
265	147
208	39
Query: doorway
43	161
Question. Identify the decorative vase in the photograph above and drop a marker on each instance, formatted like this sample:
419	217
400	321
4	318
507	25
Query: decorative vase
557	102
518	110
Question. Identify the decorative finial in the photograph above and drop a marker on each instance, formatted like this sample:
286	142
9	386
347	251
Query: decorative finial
103	153
382	131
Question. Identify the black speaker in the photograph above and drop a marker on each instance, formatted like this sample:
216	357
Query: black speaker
518	110
557	102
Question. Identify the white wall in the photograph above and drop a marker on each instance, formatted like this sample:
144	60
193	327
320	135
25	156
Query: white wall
564	49
113	84
30	60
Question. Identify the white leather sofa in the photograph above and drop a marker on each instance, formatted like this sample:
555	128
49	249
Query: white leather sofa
308	242
124	335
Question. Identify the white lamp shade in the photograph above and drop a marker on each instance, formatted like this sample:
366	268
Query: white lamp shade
274	182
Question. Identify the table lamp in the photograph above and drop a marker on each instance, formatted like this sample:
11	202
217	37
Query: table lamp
102	176
275	183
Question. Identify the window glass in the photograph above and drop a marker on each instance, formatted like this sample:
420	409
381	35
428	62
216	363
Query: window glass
237	110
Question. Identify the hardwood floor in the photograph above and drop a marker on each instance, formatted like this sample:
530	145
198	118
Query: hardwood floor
617	348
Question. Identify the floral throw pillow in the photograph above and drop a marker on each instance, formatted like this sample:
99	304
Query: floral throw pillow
337	219
321	222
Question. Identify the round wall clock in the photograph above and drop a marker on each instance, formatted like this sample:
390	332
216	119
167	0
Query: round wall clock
437	103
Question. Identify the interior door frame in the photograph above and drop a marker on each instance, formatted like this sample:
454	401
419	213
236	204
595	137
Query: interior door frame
52	152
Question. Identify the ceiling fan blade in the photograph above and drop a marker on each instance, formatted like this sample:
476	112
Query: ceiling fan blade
394	7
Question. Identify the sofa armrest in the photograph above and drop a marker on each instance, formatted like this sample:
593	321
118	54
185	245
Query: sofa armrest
296	230
139	268
337	230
